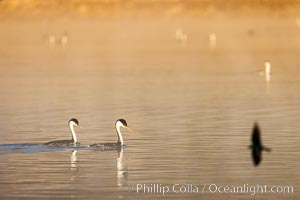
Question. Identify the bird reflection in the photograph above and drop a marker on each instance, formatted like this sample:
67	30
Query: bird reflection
74	160
73	166
257	146
122	171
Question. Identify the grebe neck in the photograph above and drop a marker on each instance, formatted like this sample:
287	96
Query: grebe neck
71	125
118	129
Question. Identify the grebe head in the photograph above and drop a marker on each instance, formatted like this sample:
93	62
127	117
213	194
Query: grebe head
122	122
74	122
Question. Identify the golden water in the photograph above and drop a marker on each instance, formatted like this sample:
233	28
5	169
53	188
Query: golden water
191	104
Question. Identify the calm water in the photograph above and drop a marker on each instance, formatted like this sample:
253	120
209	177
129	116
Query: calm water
191	106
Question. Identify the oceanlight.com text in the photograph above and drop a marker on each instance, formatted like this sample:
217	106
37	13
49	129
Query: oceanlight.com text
158	188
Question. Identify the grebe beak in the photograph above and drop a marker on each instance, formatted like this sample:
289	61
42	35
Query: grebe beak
128	129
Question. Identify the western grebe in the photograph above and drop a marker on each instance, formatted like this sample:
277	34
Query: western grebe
120	143
257	146
72	122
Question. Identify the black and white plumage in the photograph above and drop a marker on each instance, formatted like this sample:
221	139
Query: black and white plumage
257	146
119	144
72	122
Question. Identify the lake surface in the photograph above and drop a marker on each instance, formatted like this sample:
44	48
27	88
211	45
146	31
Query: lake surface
191	103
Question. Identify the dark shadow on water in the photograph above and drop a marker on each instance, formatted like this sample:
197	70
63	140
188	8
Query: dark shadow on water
256	147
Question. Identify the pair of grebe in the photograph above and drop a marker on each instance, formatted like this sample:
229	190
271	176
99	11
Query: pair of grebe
256	146
103	146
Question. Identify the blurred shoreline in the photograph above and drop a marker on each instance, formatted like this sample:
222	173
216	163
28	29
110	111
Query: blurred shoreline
168	8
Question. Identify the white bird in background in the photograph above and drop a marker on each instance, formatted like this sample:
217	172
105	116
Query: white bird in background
267	71
64	39
267	68
54	40
212	40
298	21
180	35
